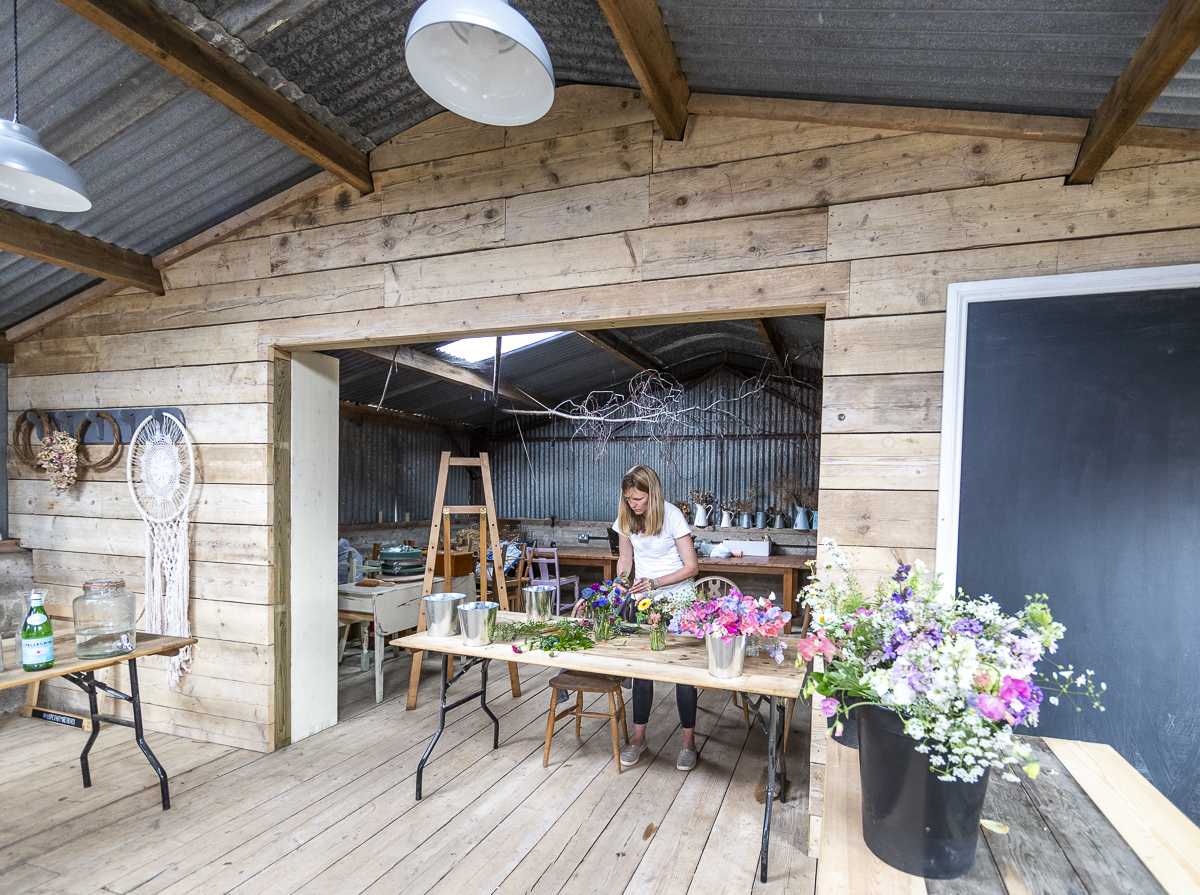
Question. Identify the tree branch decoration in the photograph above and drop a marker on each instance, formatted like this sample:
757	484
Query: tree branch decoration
652	398
59	453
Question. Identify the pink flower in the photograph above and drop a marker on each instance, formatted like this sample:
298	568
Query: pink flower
829	707
1011	688
983	681
516	649
991	707
813	644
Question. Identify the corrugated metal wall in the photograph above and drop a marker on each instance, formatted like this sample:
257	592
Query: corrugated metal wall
767	435
391	470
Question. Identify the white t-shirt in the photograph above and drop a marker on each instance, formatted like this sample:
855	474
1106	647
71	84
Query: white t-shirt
656	556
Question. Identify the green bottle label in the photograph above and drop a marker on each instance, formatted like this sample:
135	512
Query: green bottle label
37	651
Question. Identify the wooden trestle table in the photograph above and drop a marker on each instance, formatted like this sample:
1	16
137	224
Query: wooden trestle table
82	673
684	661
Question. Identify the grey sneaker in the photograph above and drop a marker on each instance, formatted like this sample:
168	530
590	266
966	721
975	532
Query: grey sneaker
686	760
631	754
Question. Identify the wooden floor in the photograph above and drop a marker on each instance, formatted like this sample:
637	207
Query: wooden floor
335	813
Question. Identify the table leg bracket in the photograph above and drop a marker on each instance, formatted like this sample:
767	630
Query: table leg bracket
444	707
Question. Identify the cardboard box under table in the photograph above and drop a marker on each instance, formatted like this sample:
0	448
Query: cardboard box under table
684	661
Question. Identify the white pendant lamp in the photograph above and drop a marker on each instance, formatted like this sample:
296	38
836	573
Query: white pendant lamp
29	174
481	59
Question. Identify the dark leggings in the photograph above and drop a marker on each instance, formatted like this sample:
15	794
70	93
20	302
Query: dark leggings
643	700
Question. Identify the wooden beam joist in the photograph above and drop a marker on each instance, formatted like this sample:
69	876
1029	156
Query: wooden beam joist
411	359
155	34
1047	128
774	340
66	248
627	355
642	34
349	410
1170	43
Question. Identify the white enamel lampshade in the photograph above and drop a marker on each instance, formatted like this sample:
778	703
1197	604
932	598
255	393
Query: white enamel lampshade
481	59
30	175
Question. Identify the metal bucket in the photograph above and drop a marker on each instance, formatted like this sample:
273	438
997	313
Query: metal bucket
725	659
538	601
441	614
478	622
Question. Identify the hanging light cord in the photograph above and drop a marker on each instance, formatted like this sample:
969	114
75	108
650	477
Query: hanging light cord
16	59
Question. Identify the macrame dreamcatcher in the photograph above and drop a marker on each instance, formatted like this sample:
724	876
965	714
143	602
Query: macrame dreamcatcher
162	470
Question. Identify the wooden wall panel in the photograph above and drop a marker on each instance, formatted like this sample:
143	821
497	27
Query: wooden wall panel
230	424
458	228
161	387
712	140
918	163
233	582
880	462
564	161
577	211
209	543
742	243
228	504
906	403
221	464
880	518
1137	200
912	343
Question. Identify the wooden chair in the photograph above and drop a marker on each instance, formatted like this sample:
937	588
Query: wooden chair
543	569
586	682
519	579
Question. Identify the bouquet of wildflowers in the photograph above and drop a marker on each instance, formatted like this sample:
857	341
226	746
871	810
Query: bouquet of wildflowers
958	671
59	457
601	602
733	615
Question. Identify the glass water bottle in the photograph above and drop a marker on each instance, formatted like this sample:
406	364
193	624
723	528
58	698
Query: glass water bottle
37	637
105	619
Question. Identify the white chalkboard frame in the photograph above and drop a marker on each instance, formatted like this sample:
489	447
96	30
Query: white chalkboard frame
959	298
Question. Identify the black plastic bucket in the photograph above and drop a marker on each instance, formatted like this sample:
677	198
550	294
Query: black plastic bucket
911	819
849	735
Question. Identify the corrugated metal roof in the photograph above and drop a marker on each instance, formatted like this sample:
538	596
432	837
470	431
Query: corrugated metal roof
570	367
1054	57
162	162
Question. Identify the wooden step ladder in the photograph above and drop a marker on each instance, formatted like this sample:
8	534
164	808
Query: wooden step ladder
487	525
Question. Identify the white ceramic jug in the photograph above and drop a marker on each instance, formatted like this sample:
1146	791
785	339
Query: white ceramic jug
702	511
726	518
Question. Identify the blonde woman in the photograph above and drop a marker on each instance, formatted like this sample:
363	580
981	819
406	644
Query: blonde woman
656	540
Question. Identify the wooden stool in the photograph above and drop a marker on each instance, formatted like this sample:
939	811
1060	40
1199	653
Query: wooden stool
583	682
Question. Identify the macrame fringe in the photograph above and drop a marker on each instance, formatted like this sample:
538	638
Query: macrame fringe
167	570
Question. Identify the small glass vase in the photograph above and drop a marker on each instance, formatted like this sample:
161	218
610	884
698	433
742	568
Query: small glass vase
658	639
602	627
751	645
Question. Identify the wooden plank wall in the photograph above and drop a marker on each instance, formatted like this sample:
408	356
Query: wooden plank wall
584	219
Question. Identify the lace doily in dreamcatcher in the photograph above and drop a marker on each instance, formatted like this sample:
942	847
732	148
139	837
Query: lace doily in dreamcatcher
161	470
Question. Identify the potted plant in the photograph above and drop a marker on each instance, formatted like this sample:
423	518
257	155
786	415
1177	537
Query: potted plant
724	623
939	683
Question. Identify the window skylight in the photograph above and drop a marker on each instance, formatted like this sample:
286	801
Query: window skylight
480	349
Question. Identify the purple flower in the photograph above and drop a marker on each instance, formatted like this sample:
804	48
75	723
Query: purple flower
829	707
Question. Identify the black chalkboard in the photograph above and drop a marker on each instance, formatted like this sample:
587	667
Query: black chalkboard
1081	479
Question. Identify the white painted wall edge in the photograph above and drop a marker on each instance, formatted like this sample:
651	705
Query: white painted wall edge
959	298
314	535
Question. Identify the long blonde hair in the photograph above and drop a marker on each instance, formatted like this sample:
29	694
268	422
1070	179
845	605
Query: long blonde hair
645	479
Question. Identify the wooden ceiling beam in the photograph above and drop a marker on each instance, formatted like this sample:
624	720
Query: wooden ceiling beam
155	34
642	34
66	248
1171	42
624	349
774	339
411	359
1001	125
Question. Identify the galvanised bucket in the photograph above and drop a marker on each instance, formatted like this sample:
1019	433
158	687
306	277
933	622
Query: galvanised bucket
725	658
441	614
538	600
478	622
